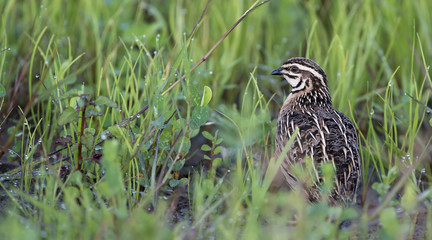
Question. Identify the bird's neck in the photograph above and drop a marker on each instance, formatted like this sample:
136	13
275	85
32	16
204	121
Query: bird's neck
308	99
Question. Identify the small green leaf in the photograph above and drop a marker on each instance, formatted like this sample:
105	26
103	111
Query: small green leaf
112	183
409	198
207	135
173	182
90	131
217	162
430	122
2	90
178	165
76	102
183	181
199	117
207	157
90	113
219	141
68	115
218	150
389	222
192	94
205	147
105	101
118	131
349	213
207	95
185	147
87	140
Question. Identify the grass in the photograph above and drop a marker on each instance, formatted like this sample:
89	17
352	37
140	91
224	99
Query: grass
102	152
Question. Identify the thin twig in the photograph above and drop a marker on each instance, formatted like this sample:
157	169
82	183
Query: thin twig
198	20
253	7
80	158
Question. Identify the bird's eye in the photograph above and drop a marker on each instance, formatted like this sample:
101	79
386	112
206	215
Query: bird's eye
295	69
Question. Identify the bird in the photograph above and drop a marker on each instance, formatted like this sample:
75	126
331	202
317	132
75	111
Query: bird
325	135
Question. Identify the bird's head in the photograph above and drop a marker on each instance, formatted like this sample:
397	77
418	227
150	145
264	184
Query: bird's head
305	77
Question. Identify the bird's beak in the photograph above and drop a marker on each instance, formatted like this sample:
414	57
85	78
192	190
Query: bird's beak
276	72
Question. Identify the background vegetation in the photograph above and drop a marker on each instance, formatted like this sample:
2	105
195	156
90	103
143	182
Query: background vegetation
95	147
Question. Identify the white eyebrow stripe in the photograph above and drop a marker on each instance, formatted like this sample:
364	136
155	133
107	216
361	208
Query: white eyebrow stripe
311	70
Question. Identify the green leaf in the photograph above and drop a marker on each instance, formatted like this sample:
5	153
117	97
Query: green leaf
219	141
183	181
105	101
112	183
217	162
118	131
218	150
349	213
389	222
74	102
207	157
2	90
409	198
430	122
90	113
158	106
193	95
205	147
185	147
90	131
207	95
207	135
173	182
87	140
199	117
68	115
178	165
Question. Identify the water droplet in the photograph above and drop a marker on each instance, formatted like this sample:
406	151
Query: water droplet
211	72
144	36
103	137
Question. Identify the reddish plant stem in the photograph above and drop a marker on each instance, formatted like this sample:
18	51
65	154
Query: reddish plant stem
80	158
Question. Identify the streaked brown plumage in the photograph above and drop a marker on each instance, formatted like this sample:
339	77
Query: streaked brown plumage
325	135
